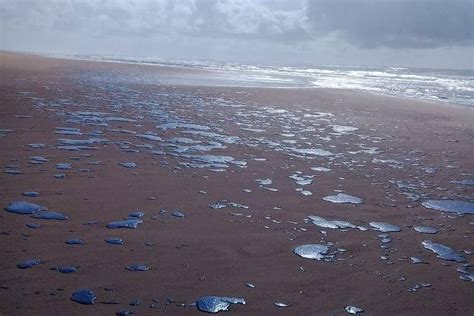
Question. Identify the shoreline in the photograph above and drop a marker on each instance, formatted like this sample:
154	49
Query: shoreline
210	72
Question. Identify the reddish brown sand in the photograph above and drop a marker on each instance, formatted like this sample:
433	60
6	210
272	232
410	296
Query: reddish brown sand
212	252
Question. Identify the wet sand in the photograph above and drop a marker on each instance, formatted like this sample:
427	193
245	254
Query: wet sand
402	153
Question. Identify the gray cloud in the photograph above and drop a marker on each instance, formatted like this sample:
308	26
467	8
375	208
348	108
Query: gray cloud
256	19
395	23
389	32
363	23
144	18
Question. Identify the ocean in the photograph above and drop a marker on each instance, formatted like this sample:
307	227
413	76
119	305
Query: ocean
445	85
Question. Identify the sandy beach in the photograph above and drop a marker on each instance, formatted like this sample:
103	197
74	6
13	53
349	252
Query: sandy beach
226	178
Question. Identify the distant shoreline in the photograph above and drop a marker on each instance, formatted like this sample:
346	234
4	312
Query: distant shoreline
350	78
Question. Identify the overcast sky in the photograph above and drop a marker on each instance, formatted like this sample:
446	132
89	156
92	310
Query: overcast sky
419	33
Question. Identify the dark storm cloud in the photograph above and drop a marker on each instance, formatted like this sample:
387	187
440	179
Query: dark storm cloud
395	23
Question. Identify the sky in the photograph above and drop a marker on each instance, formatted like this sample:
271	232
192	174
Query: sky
411	33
